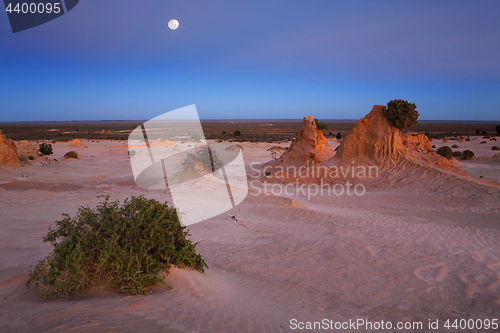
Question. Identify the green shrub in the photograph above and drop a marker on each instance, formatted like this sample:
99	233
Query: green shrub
495	148
46	149
237	133
71	154
339	136
128	247
321	126
445	151
467	155
455	146
401	114
223	132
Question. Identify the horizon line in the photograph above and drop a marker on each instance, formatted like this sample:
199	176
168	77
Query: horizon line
229	119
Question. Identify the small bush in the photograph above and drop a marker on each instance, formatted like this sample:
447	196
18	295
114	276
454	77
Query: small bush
401	114
483	142
467	155
457	154
46	149
478	131
237	133
128	247
71	154
455	146
223	132
339	136
495	148
433	146
320	125
445	151
497	128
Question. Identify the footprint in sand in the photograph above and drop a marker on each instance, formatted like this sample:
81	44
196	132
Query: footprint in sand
432	273
472	284
371	251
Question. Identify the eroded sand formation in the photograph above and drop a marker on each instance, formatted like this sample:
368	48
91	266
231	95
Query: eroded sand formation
26	149
373	138
77	143
309	147
8	152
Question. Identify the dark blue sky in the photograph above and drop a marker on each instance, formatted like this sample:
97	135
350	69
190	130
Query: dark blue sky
117	59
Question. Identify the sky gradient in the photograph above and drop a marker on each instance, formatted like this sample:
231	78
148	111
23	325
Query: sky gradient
117	59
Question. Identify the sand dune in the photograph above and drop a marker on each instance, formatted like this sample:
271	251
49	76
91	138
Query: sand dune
422	243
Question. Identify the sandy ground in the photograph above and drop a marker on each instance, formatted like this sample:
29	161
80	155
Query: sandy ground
405	251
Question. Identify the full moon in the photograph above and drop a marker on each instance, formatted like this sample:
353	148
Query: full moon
173	24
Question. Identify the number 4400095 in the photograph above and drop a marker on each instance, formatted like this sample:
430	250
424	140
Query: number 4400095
35	8
472	324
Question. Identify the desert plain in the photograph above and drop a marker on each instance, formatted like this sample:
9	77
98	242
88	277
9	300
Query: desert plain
420	244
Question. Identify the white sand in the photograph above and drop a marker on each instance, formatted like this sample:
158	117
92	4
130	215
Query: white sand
413	248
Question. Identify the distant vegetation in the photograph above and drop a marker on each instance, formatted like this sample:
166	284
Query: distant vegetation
237	133
339	136
128	247
46	149
497	128
321	126
445	151
467	155
401	114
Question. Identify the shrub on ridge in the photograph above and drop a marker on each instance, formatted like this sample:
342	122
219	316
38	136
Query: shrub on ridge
445	151
401	114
